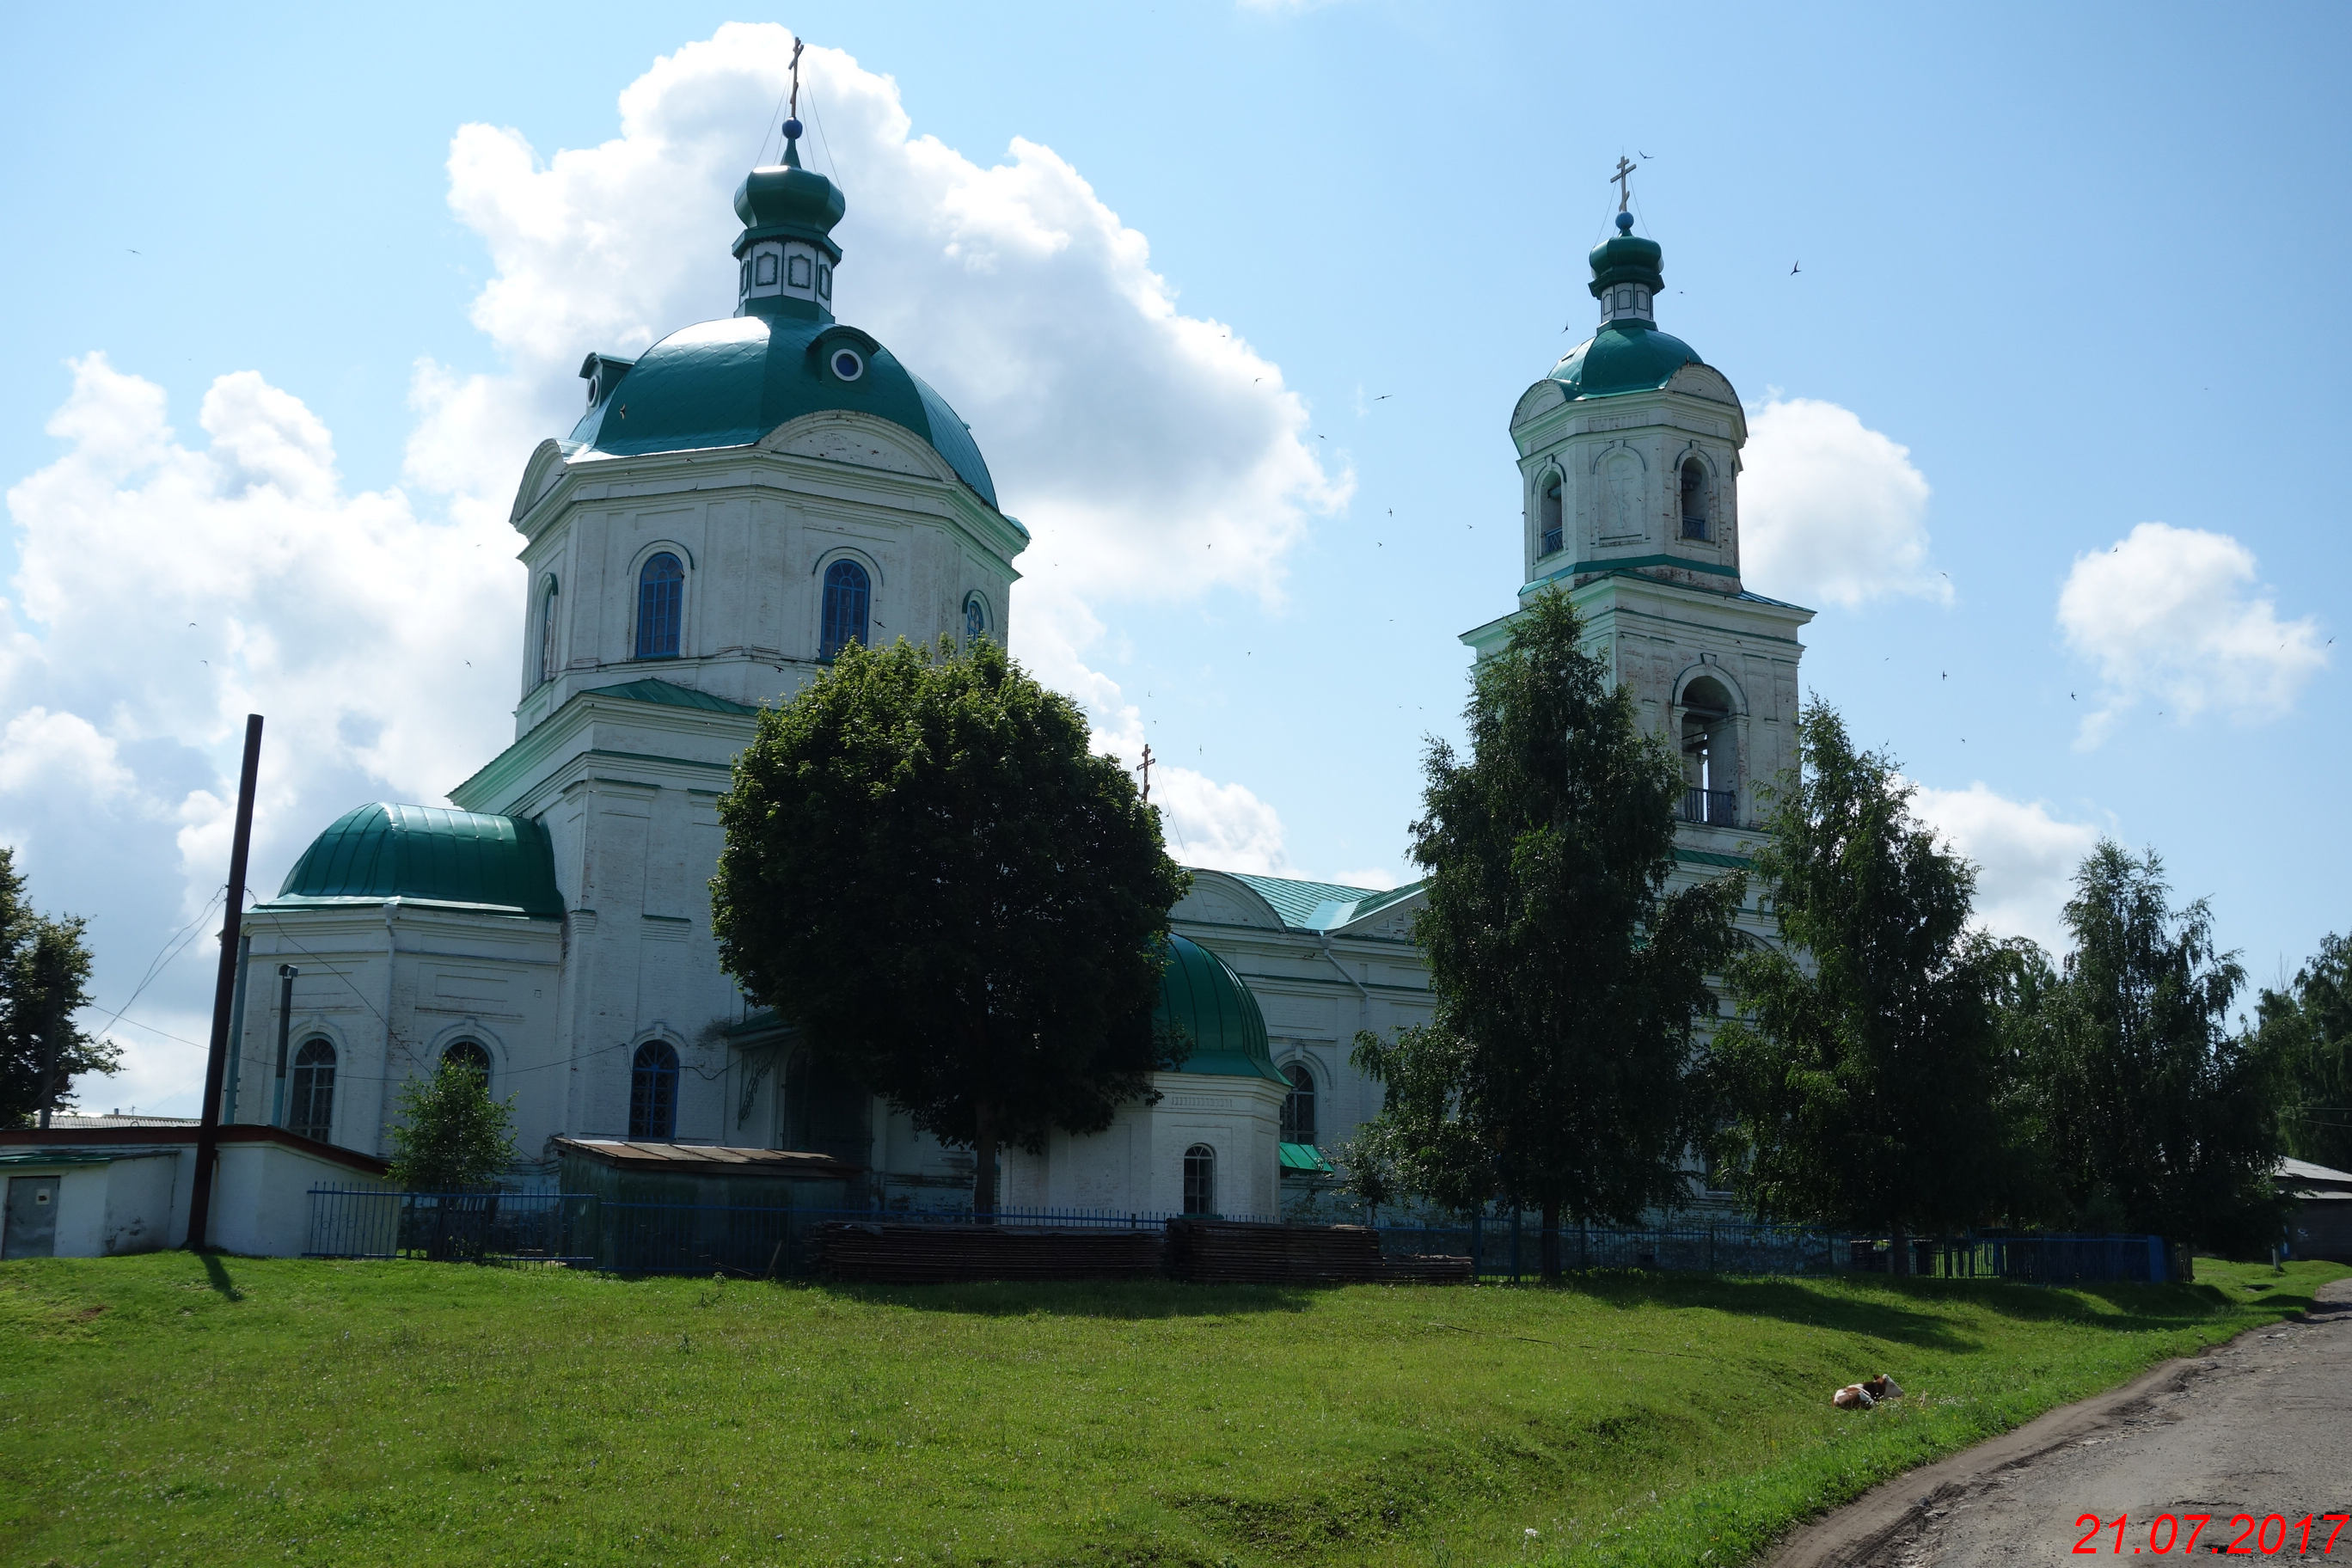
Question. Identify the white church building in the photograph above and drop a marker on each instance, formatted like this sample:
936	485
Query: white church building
739	503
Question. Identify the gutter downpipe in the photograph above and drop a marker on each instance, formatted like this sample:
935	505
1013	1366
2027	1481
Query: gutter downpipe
236	1025
286	973
1363	997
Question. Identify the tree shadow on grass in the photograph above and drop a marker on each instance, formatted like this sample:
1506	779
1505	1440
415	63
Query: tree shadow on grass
1884	1311
1784	1300
1125	1300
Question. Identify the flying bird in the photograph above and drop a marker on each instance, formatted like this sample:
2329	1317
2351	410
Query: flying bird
1383	397
1638	153
1792	268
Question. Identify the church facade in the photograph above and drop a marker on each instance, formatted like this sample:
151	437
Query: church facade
734	507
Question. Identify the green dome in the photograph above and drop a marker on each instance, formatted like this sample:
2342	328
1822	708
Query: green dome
786	200
729	381
1624	258
1201	998
1624	356
503	865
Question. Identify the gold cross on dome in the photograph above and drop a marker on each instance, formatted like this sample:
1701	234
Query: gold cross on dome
1623	174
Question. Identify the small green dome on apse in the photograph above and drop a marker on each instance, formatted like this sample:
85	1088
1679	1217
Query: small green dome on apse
1202	998
499	864
728	383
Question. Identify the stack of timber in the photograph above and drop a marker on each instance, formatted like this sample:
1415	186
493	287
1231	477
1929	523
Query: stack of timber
1237	1252
943	1255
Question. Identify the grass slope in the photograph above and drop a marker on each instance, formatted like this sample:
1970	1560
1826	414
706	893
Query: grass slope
171	1409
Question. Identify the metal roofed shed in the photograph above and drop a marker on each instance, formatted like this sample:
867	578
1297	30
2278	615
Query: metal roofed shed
428	854
620	1171
2321	1223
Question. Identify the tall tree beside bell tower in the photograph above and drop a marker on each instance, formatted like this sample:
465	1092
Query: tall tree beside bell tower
1629	462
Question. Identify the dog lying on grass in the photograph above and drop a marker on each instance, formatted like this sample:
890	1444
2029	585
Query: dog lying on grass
1866	1394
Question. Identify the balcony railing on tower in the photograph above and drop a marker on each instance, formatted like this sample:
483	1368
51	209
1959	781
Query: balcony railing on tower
1714	807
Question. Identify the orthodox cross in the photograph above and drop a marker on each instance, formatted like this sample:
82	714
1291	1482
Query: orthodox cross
1624	172
1147	773
794	112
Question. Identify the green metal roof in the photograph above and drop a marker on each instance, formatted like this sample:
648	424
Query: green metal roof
786	201
1302	1157
729	381
1321	906
1624	356
429	853
671	696
1201	995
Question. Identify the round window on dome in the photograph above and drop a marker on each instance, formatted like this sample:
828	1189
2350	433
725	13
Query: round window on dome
847	365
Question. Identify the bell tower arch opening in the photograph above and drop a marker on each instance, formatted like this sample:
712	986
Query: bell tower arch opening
1709	740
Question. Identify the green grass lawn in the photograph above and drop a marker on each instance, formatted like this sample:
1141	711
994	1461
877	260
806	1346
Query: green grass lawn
170	1409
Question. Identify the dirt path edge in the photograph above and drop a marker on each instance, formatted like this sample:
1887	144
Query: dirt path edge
1856	1532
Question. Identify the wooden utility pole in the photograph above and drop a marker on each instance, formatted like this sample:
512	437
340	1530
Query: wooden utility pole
200	1190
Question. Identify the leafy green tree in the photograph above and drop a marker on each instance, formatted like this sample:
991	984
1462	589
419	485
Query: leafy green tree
1859	1079
929	872
2160	1117
44	981
1569	979
2308	1029
451	1136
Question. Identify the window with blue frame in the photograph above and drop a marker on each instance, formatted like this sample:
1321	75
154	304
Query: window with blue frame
653	1092
848	599
661	607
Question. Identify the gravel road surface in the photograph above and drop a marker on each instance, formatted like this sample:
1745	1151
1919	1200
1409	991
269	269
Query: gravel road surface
2261	1426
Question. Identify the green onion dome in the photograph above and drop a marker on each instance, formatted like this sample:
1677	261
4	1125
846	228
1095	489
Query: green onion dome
780	356
1628	353
1201	999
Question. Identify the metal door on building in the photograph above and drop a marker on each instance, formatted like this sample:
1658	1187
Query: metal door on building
32	1218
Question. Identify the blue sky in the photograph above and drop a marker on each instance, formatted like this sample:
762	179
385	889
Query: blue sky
2082	264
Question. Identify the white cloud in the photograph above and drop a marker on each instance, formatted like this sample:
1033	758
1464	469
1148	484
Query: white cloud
166	588
1830	511
2168	614
63	751
2025	857
1149	451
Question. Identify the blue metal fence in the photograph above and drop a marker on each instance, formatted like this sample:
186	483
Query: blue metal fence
582	1230
548	1227
1511	1247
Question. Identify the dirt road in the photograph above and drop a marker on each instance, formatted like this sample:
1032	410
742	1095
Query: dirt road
2260	1426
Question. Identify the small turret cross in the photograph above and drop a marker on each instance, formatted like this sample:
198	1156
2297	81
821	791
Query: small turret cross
794	112
1147	773
1623	174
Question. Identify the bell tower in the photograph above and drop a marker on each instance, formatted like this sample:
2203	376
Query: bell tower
1629	465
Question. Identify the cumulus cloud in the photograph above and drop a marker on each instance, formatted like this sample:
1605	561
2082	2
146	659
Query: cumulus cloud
1149	451
167	586
1832	512
2171	615
2025	857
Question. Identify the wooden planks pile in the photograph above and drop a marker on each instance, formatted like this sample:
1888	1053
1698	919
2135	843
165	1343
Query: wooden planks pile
1236	1252
943	1255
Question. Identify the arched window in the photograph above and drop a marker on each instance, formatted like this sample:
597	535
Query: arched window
1710	754
1547	514
653	1092
848	595
1201	1180
975	617
661	604
1694	521
1298	1107
310	1113
469	1054
547	631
